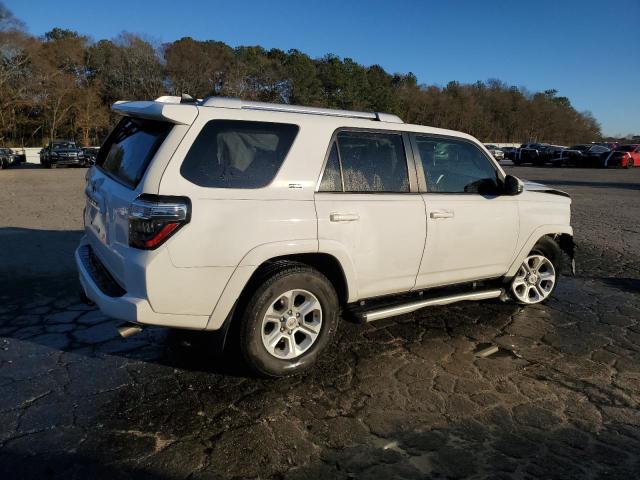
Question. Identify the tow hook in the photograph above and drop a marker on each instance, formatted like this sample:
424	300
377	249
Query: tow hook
129	329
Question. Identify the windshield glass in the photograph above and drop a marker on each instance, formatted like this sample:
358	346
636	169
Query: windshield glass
582	148
626	148
63	145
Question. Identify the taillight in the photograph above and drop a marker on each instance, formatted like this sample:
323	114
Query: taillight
155	218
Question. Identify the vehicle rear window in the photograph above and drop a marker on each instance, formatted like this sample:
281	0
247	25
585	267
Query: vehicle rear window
130	147
238	154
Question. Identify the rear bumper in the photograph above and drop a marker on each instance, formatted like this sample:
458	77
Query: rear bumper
120	304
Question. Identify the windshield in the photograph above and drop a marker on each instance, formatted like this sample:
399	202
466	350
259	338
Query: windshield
130	147
63	145
626	148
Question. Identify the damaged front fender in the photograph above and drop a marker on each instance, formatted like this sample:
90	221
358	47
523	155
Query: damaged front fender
568	246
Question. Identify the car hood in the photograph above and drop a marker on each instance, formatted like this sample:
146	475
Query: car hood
66	150
539	187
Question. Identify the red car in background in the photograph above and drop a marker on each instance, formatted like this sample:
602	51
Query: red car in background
627	156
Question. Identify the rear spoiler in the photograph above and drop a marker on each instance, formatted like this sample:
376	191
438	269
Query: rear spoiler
182	114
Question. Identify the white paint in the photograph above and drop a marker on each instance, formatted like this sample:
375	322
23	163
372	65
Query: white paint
385	243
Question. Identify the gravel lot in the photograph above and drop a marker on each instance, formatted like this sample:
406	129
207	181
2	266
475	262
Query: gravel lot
401	398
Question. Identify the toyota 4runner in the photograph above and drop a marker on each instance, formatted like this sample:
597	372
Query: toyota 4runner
264	222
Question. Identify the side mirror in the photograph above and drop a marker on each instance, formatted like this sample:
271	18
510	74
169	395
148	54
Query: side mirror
512	186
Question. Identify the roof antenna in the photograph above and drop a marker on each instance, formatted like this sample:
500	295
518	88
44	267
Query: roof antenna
186	98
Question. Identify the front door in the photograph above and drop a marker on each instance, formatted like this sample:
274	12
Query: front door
472	230
366	209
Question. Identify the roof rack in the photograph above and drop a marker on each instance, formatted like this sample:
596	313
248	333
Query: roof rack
224	102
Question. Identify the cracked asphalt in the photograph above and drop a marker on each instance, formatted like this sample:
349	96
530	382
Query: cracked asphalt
402	398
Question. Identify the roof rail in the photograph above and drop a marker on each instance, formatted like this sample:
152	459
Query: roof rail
224	102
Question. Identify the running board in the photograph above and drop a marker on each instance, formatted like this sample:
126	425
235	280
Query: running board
392	311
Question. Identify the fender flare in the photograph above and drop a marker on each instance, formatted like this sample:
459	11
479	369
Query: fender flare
538	233
267	251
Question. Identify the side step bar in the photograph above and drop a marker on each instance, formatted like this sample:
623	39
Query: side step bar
392	311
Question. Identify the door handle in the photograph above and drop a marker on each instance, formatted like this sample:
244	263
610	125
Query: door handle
442	214
344	217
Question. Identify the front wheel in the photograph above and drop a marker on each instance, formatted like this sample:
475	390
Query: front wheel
630	163
537	277
289	321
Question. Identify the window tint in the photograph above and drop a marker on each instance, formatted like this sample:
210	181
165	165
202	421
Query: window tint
455	166
332	180
237	154
373	162
127	152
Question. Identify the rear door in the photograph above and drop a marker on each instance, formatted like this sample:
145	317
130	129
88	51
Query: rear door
472	231
113	184
369	208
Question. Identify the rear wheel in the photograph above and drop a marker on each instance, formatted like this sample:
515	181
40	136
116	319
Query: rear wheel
289	321
629	163
537	277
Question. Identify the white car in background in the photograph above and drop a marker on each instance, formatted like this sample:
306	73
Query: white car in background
494	150
266	221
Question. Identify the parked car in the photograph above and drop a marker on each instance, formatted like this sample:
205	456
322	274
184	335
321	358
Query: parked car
494	150
263	221
62	152
551	152
531	153
627	156
90	154
19	156
586	155
509	152
6	157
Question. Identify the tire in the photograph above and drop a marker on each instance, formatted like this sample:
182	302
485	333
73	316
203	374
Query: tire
4	164
269	315
629	163
537	278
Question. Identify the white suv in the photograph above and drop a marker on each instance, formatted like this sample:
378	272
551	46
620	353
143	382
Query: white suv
267	220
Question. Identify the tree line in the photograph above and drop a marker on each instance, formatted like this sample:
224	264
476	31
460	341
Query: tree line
62	84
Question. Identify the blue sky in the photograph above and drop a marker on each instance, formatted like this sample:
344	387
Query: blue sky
588	50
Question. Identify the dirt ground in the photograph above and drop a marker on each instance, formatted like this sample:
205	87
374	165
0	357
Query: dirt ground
400	398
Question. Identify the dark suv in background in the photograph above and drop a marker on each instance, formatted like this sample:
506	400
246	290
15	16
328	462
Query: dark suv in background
537	153
62	152
585	155
6	157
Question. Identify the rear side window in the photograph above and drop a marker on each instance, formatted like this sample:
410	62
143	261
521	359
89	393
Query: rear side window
128	150
238	154
332	178
368	162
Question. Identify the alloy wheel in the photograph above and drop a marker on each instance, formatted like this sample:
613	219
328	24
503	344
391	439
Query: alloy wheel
535	280
291	324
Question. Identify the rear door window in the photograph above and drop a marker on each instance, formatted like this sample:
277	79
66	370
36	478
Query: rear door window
373	162
238	154
130	147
